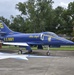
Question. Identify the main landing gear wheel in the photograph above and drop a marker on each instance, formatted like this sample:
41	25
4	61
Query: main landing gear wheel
20	52
30	52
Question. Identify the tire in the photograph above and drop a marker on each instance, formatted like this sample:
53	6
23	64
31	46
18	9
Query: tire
20	52
48	53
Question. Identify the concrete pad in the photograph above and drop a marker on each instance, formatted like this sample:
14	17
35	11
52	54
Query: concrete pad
55	65
38	66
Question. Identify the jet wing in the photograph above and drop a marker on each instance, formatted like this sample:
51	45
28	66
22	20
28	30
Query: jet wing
17	44
34	43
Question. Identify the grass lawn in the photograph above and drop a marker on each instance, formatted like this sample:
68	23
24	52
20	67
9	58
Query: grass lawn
35	48
65	48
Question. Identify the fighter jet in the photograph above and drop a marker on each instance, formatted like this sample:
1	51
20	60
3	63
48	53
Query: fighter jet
10	37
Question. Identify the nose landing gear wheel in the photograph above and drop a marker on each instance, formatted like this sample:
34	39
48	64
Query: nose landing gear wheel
48	53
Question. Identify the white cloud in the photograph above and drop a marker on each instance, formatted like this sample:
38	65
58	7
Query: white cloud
65	5
7	7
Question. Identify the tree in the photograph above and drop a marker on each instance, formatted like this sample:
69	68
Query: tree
18	24
38	12
6	21
39	16
71	15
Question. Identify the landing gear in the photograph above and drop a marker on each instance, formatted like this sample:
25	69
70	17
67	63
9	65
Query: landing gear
48	52
21	52
29	52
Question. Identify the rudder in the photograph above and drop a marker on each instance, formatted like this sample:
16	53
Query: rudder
4	28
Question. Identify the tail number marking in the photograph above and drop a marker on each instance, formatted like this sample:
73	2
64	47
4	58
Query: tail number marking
8	39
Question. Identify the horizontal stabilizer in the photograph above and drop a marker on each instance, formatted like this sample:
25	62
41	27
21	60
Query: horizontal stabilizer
2	33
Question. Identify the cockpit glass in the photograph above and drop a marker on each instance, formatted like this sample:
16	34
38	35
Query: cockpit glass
50	34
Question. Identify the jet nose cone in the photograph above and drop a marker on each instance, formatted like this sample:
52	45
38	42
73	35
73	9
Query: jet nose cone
67	42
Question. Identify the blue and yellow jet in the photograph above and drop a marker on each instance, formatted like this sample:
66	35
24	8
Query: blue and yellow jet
10	37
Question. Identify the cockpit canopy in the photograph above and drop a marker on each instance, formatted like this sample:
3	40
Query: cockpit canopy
50	34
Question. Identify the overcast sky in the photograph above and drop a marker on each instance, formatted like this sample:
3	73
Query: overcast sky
7	7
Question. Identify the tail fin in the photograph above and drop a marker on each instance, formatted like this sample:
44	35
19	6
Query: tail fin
4	28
